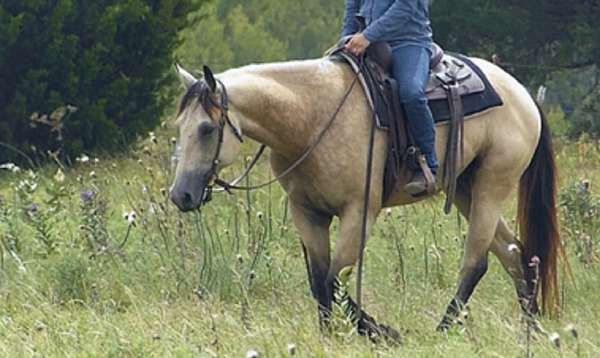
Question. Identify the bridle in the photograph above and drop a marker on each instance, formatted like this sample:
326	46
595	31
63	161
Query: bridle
224	121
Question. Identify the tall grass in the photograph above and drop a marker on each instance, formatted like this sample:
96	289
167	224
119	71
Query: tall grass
96	261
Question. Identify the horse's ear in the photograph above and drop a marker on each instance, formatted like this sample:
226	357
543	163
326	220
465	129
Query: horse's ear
186	78
209	77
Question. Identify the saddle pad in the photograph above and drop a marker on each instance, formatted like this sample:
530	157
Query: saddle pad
472	103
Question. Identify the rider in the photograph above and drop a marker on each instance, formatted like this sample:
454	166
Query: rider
405	25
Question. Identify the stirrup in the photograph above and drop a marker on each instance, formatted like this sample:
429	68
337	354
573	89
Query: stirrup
430	184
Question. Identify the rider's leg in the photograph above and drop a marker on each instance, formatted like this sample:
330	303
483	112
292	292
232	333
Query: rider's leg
411	70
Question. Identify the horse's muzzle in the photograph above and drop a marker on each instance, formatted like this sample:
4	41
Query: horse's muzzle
190	192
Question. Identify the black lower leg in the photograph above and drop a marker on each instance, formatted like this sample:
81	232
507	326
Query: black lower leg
322	290
465	290
368	326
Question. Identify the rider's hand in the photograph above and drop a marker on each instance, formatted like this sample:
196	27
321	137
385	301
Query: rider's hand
358	44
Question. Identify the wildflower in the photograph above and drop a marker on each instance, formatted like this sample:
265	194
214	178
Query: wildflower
7	320
240	258
252	354
555	339
153	138
570	328
93	174
39	326
32	209
87	196
173	140
83	159
388	212
513	248
291	348
96	161
583	187
535	262
10	167
130	218
252	275
260	215
59	177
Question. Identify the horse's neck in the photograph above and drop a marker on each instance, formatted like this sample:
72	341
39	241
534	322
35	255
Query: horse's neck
275	104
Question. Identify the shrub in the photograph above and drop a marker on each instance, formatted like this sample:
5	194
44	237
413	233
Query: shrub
108	59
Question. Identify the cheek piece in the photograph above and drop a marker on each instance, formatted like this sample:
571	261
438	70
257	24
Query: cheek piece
224	121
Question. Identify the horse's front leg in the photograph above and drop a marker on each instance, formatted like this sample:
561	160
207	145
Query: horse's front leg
346	255
313	227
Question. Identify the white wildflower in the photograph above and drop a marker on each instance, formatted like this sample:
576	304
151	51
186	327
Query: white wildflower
252	354
59	177
12	167
291	349
130	217
83	159
555	339
570	328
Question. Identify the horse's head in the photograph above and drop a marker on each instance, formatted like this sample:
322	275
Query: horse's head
209	139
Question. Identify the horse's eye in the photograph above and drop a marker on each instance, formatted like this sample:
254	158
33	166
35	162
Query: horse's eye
206	129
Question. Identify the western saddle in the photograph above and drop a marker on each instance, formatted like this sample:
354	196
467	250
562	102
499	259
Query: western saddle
450	79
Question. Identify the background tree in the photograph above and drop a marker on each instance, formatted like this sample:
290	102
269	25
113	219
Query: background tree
107	58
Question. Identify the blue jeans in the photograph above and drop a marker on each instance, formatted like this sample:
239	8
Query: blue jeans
411	70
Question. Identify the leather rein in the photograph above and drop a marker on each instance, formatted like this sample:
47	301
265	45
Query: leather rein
225	120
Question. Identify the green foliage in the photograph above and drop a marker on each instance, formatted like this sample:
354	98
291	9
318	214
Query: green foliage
233	33
580	216
108	59
558	122
232	279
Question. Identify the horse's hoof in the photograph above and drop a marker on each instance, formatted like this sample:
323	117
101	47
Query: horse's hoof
376	332
444	325
391	335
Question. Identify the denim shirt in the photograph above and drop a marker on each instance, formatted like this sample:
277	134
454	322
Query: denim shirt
399	22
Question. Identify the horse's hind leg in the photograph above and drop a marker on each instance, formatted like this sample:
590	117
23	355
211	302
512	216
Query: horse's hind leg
490	191
507	248
313	227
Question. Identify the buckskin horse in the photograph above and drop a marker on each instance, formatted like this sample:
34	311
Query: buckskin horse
286	107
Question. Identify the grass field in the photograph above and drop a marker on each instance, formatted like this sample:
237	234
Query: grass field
81	276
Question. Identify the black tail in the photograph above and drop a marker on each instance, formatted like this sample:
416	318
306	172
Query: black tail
539	223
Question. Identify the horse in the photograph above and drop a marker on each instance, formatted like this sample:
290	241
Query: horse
286	107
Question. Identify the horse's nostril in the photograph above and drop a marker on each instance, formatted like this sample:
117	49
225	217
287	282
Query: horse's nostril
188	199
